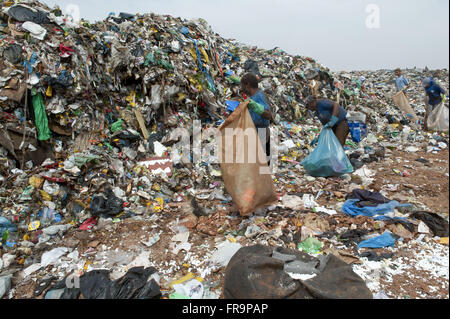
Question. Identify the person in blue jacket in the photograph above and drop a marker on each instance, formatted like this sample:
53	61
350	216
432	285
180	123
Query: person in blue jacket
258	108
435	95
330	115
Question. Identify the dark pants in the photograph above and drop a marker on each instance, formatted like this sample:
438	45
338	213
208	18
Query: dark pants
341	130
265	143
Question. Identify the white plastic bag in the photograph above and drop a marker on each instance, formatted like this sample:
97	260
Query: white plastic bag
36	31
438	119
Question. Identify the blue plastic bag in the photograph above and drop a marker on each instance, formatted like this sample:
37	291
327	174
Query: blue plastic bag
385	240
232	105
358	131
6	225
329	158
376	212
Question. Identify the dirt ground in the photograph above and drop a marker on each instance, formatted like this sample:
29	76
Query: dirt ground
427	180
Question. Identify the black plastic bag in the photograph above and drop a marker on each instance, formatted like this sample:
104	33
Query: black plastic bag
64	80
135	285
138	51
23	14
69	293
368	198
96	285
110	206
126	16
13	53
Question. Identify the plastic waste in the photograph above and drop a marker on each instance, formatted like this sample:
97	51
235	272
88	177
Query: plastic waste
137	283
49	257
110	206
224	253
438	120
232	105
6	226
308	201
193	289
385	240
41	117
54	294
358	131
292	202
117	126
35	30
5	285
24	13
379	212
176	295
328	159
13	53
310	245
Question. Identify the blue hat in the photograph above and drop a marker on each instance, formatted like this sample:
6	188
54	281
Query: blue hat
427	82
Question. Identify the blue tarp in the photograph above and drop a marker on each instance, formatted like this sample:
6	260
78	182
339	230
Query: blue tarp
350	208
232	105
385	240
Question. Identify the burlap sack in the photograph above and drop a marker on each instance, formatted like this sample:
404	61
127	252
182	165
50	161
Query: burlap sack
244	164
402	102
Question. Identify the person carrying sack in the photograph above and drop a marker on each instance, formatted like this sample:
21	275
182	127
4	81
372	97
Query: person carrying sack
434	96
401	83
259	109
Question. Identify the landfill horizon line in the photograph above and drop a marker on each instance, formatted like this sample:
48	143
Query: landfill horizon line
231	39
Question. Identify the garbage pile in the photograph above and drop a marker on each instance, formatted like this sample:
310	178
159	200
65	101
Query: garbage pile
88	118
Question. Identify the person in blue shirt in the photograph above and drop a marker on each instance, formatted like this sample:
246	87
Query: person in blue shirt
435	95
401	82
261	118
434	91
330	115
250	87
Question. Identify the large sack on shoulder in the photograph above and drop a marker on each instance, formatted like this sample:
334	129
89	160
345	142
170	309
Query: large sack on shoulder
243	161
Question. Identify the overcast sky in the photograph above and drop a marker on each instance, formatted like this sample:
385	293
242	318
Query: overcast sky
334	32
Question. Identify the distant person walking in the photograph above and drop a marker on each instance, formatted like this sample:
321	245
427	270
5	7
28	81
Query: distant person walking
401	83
